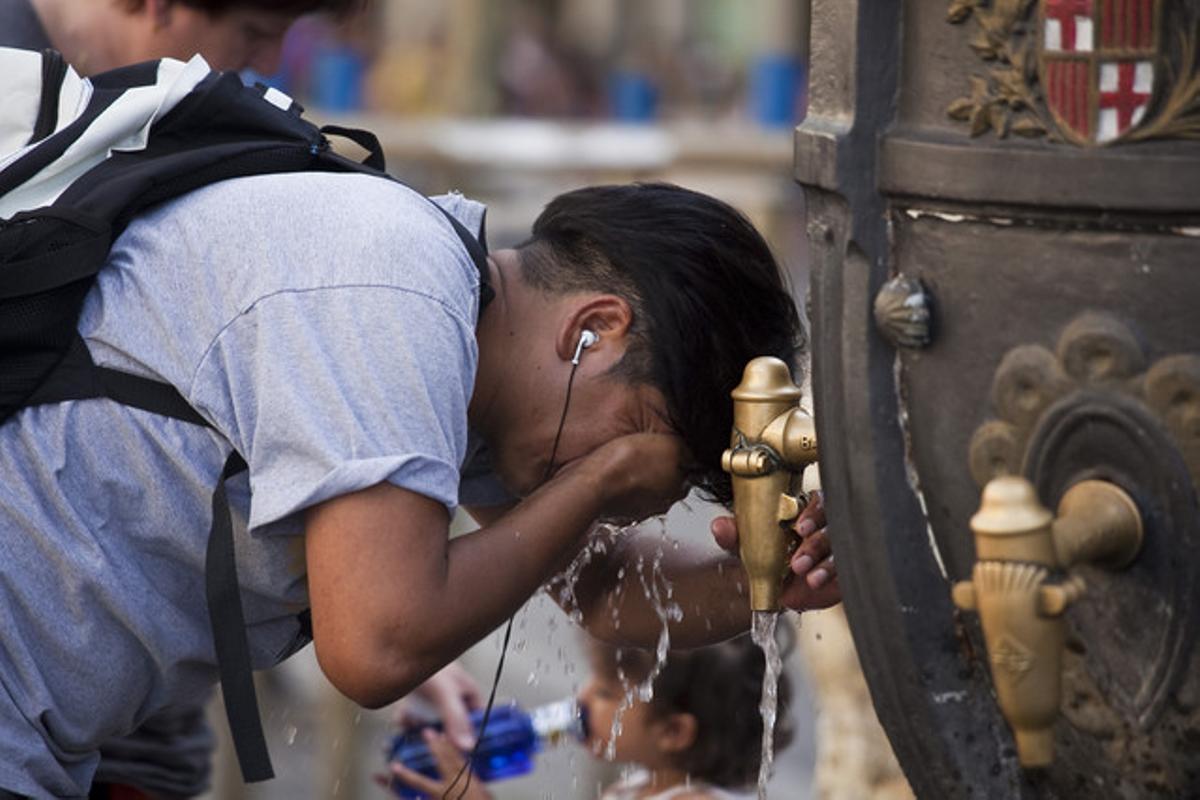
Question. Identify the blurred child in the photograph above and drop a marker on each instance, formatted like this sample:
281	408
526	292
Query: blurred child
699	735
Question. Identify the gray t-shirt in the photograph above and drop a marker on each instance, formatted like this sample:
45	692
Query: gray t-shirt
324	324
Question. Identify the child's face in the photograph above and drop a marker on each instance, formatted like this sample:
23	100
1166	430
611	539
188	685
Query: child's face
637	741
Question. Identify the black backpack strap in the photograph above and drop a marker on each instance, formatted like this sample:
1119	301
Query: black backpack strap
78	378
229	636
478	253
305	620
54	69
364	139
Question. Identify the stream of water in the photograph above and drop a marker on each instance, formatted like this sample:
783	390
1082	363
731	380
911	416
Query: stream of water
762	631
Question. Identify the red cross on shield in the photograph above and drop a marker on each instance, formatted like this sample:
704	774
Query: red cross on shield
1097	64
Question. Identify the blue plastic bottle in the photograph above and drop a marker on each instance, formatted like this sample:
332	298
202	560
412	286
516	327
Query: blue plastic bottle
507	747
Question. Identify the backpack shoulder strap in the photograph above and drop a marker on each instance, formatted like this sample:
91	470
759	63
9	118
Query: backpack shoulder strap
77	377
54	70
477	250
228	622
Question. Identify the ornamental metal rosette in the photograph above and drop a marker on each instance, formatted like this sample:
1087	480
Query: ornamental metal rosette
1087	72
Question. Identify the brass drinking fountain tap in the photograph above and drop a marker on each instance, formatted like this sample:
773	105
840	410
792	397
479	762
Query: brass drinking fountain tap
1019	588
773	441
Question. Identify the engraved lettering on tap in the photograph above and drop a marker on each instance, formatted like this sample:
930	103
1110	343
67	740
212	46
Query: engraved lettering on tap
1011	656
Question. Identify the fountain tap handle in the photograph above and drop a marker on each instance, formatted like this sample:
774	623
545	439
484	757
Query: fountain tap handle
771	443
790	507
964	597
1054	599
1020	548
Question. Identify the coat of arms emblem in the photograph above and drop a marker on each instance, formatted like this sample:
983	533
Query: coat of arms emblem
1097	63
1090	72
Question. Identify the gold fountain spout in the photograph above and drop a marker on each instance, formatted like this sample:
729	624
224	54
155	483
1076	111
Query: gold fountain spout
773	441
1020	591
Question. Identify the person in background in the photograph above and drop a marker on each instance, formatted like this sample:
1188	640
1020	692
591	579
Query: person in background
99	35
698	737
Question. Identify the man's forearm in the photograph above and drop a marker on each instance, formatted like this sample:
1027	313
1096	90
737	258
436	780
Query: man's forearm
393	601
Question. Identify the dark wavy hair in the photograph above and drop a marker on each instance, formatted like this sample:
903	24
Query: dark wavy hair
215	8
720	685
706	292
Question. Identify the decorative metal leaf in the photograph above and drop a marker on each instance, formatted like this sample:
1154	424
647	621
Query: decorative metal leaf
1017	58
1011	85
959	11
983	47
961	109
1027	126
1006	13
981	120
998	118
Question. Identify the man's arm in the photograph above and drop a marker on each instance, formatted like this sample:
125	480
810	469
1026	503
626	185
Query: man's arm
394	599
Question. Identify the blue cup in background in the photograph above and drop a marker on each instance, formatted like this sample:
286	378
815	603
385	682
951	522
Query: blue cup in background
633	97
337	79
776	90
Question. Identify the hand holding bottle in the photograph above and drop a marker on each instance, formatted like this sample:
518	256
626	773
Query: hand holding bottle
450	762
453	694
423	759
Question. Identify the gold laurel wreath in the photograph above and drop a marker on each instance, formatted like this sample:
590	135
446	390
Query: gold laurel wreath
1005	100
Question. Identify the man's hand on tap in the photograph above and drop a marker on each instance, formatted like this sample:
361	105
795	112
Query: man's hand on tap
813	581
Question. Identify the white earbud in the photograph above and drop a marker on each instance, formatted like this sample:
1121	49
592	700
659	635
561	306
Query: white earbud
586	339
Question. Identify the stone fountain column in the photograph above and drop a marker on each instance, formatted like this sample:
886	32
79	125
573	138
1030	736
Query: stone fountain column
1005	220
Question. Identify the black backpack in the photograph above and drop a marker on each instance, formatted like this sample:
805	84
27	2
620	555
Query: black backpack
77	183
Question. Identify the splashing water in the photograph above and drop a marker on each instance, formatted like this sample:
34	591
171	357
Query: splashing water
763	633
659	592
603	537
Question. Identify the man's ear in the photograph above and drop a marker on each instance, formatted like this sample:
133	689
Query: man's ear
677	733
607	315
